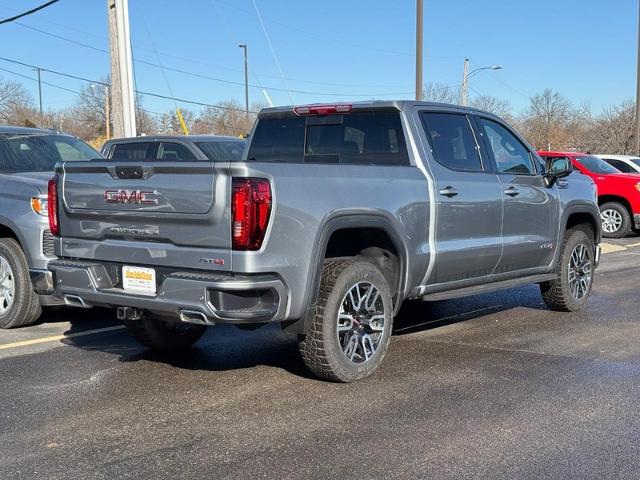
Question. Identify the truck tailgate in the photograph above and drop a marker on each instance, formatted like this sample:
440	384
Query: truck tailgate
169	213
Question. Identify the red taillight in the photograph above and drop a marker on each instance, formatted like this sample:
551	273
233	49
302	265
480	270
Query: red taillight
250	210
52	206
322	109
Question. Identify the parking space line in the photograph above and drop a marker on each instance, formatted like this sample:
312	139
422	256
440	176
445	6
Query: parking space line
54	338
610	248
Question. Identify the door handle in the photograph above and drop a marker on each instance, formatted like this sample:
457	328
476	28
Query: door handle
512	191
448	192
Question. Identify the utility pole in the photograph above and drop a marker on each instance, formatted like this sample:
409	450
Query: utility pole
38	69
419	29
638	90
122	95
463	85
246	80
107	113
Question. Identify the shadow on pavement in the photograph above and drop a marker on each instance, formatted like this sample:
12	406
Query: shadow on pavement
225	347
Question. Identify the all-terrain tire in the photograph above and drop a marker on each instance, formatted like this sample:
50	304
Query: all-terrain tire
158	334
625	226
321	348
558	294
24	308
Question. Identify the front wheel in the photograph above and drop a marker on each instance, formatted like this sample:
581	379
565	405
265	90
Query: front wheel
570	291
162	335
350	331
616	221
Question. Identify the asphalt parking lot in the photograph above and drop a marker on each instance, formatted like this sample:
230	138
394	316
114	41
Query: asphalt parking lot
492	386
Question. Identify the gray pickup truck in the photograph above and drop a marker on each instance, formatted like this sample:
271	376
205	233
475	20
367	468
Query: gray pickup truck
27	160
337	214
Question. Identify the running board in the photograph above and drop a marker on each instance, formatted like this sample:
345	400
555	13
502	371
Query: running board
489	287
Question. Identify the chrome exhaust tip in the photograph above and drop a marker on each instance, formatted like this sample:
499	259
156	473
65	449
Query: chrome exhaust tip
193	316
75	301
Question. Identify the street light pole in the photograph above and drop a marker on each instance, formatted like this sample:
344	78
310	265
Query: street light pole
463	85
419	33
465	79
246	80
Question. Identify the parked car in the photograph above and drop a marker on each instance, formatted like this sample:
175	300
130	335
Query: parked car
177	147
338	214
618	193
27	160
624	163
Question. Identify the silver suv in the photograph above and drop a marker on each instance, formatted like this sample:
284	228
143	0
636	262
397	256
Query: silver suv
27	160
337	214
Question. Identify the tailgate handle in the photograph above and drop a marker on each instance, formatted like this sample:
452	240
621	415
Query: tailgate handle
129	172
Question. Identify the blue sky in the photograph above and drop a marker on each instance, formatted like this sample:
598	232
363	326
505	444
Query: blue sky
335	50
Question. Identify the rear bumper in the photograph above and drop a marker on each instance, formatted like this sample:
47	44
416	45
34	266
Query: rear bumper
42	281
199	297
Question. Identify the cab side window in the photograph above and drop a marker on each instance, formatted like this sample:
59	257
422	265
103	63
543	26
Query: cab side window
510	155
174	151
452	141
620	165
130	151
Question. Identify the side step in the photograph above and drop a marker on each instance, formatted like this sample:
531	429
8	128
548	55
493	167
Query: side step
489	287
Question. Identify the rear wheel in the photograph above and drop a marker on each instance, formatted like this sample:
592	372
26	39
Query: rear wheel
19	303
350	331
158	334
616	221
570	291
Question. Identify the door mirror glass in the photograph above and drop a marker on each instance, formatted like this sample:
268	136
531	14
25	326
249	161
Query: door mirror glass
558	166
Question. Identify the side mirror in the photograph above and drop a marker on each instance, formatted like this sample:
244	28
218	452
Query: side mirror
555	168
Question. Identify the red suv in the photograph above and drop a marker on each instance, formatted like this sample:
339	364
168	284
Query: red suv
618	193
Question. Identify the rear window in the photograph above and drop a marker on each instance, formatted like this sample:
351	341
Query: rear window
357	138
41	152
224	150
130	151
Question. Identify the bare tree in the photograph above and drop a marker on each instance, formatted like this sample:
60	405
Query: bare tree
16	105
227	119
494	105
546	121
613	131
440	92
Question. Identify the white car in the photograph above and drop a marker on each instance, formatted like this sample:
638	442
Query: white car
624	163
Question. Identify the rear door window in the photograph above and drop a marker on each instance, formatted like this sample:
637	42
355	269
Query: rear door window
452	141
131	151
369	138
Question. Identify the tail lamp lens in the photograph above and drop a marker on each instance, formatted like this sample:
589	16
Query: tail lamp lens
52	206
250	210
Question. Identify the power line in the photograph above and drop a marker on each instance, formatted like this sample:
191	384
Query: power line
28	12
189	60
208	77
238	129
273	52
99	82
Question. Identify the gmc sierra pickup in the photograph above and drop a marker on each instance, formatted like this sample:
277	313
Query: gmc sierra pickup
337	214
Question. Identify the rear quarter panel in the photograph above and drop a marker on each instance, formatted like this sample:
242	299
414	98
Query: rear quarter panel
307	198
